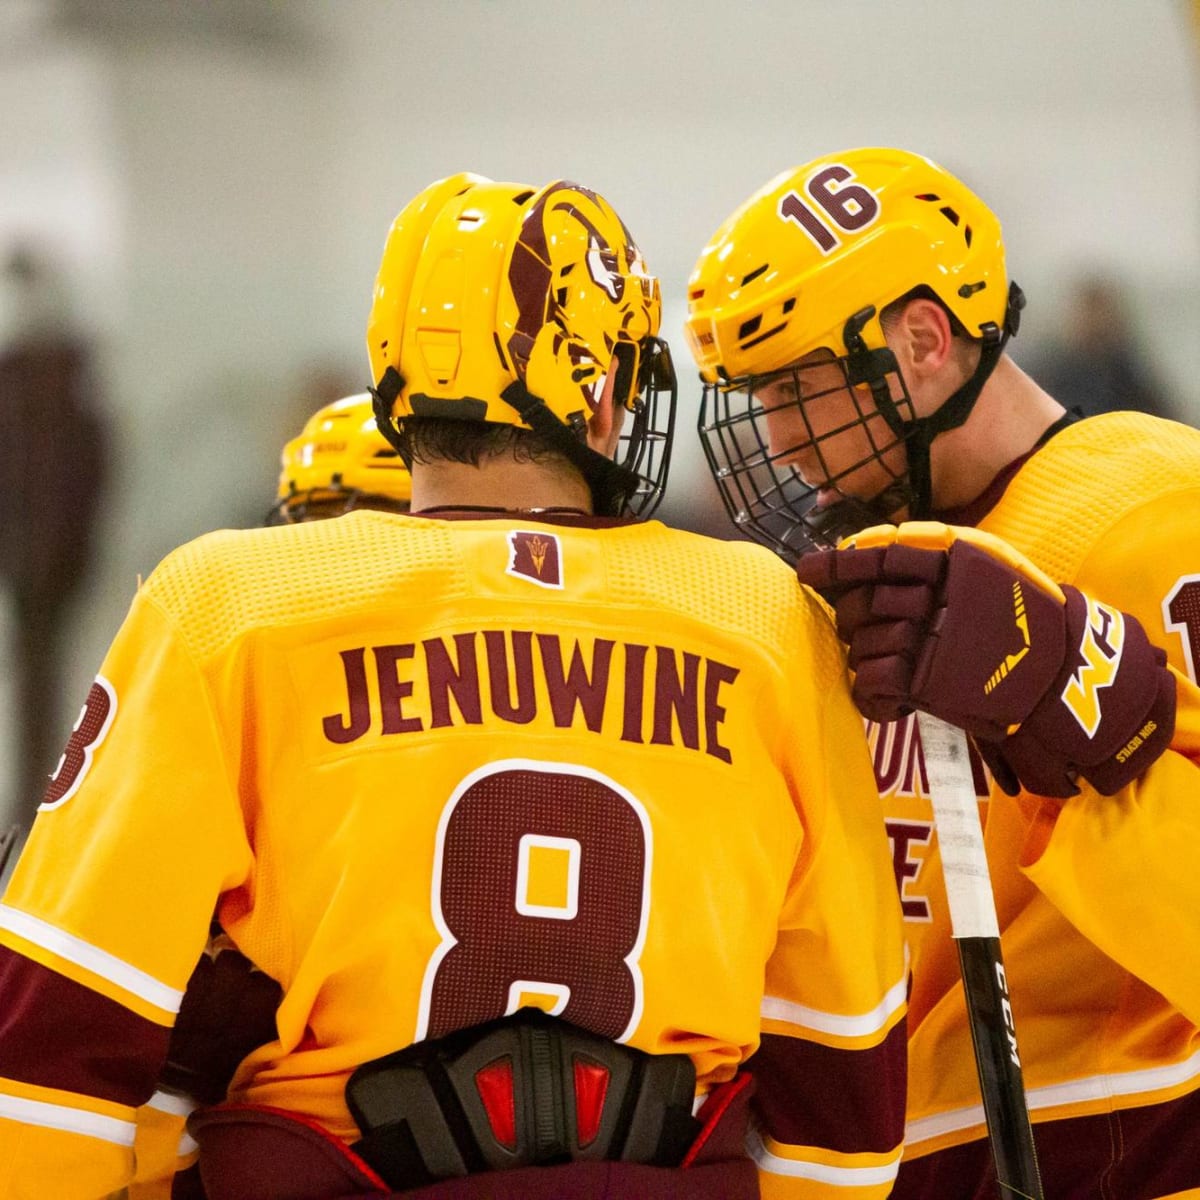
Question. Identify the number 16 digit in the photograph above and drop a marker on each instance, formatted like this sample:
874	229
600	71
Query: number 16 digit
850	207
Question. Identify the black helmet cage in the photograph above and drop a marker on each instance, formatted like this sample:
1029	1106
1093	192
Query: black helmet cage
769	499
645	445
765	493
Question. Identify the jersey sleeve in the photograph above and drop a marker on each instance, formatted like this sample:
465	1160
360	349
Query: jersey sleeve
831	1066
161	1146
1121	868
107	912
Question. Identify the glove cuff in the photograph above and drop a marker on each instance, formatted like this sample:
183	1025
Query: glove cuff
1150	740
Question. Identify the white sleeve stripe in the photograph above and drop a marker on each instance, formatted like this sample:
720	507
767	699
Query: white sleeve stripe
187	1145
169	1102
69	1120
91	958
775	1008
855	1177
1076	1091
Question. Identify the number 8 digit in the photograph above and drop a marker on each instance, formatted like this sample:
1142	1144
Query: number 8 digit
540	889
90	730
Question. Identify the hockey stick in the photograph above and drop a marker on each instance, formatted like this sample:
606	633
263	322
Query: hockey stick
976	932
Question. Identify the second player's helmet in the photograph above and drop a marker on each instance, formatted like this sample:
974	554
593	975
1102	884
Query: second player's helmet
340	461
808	264
510	304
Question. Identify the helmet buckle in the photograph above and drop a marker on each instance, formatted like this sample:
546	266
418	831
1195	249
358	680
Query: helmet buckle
852	331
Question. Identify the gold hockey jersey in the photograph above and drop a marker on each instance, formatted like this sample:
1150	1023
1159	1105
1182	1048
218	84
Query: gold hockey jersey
1098	898
429	771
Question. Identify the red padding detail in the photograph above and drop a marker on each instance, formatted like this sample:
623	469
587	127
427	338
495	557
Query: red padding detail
713	1110
591	1087
494	1083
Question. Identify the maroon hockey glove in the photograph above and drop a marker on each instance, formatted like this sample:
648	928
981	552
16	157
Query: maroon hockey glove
956	623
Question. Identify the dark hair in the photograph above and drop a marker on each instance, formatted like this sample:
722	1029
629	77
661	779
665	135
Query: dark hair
446	439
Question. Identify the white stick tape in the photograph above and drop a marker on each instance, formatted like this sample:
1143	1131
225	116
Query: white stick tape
960	836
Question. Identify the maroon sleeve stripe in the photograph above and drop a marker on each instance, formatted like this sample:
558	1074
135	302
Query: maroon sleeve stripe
56	1033
1079	1156
849	1101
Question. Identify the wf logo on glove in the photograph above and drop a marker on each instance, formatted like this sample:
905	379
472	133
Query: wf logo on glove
1103	640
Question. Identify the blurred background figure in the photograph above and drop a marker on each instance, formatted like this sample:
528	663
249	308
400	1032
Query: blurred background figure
53	456
1100	363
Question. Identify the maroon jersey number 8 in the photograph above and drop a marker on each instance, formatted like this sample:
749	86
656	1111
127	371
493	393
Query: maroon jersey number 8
540	888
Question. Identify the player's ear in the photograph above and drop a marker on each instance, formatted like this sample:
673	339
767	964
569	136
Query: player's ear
921	338
604	425
600	425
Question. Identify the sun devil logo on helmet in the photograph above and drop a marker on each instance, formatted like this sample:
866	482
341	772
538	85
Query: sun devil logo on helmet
610	300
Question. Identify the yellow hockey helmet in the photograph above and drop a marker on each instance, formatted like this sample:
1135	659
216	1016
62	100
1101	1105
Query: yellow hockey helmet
509	304
810	262
340	461
817	245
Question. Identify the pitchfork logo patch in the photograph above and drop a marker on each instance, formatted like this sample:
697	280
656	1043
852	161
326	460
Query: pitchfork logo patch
536	557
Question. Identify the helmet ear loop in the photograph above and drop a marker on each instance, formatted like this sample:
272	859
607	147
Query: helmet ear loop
1012	313
873	367
662	388
649	442
383	399
625	355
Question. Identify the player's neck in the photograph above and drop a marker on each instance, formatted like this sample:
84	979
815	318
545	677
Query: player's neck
1011	414
499	483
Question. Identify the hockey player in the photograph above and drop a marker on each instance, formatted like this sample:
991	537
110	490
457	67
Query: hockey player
545	819
850	321
339	462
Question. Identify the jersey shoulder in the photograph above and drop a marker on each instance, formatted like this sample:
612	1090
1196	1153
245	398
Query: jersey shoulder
230	581
737	586
1106	476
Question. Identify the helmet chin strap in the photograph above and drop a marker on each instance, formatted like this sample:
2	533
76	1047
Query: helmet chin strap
383	397
918	434
829	524
611	484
